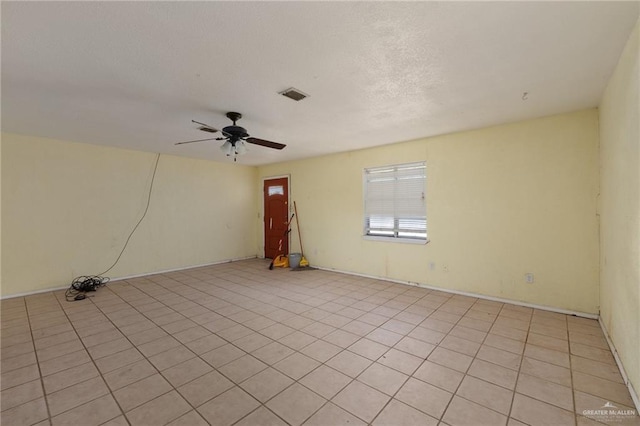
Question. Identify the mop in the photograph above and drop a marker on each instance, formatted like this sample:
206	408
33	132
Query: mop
281	260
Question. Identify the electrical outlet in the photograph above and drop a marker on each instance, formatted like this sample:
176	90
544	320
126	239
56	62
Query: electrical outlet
528	277
445	267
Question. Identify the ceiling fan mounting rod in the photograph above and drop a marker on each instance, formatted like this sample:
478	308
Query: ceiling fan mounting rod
234	116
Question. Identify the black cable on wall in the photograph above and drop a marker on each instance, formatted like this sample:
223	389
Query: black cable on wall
83	284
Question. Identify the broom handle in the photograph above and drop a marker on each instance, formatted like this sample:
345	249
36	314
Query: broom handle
295	210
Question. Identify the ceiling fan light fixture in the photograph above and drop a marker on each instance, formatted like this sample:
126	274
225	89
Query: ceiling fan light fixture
241	148
227	148
293	93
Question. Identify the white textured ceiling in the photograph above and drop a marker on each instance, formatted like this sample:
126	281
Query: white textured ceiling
134	74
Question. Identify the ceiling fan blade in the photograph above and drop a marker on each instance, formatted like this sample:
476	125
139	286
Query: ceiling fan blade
199	140
268	144
211	129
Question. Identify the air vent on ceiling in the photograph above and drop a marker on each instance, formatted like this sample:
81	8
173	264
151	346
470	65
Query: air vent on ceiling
207	129
293	93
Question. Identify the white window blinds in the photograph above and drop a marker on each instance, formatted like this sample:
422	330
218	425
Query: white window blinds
394	201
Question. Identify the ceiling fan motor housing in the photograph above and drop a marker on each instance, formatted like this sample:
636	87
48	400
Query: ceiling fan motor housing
236	132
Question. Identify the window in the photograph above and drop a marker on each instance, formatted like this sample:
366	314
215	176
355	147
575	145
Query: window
394	202
276	190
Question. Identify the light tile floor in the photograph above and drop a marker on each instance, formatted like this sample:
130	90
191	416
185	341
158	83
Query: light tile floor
239	344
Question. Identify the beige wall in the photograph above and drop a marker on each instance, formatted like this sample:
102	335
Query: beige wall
67	209
620	209
0	215
501	202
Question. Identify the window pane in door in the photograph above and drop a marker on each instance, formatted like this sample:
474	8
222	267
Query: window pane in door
276	190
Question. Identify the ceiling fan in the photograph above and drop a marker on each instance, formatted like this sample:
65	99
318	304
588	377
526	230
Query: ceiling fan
234	137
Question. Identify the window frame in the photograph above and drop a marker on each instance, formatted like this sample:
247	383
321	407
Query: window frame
393	238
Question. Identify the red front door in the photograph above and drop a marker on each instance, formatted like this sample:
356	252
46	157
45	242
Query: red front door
276	216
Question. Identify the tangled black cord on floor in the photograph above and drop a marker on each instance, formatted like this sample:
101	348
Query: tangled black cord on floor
83	284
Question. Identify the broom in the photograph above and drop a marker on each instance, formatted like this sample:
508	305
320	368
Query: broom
303	262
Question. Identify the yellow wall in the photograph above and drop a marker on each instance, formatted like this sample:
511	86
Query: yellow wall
0	215
620	209
67	209
501	202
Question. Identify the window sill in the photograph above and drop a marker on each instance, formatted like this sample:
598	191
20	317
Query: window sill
395	240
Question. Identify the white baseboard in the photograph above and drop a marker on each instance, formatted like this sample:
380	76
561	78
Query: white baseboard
614	351
31	293
183	268
128	277
466	293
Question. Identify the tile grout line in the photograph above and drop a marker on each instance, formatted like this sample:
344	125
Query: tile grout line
354	379
112	392
376	360
33	342
216	369
449	298
295	381
327	401
515	385
94	364
173	388
454	394
115	353
573	389
182	344
417	368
